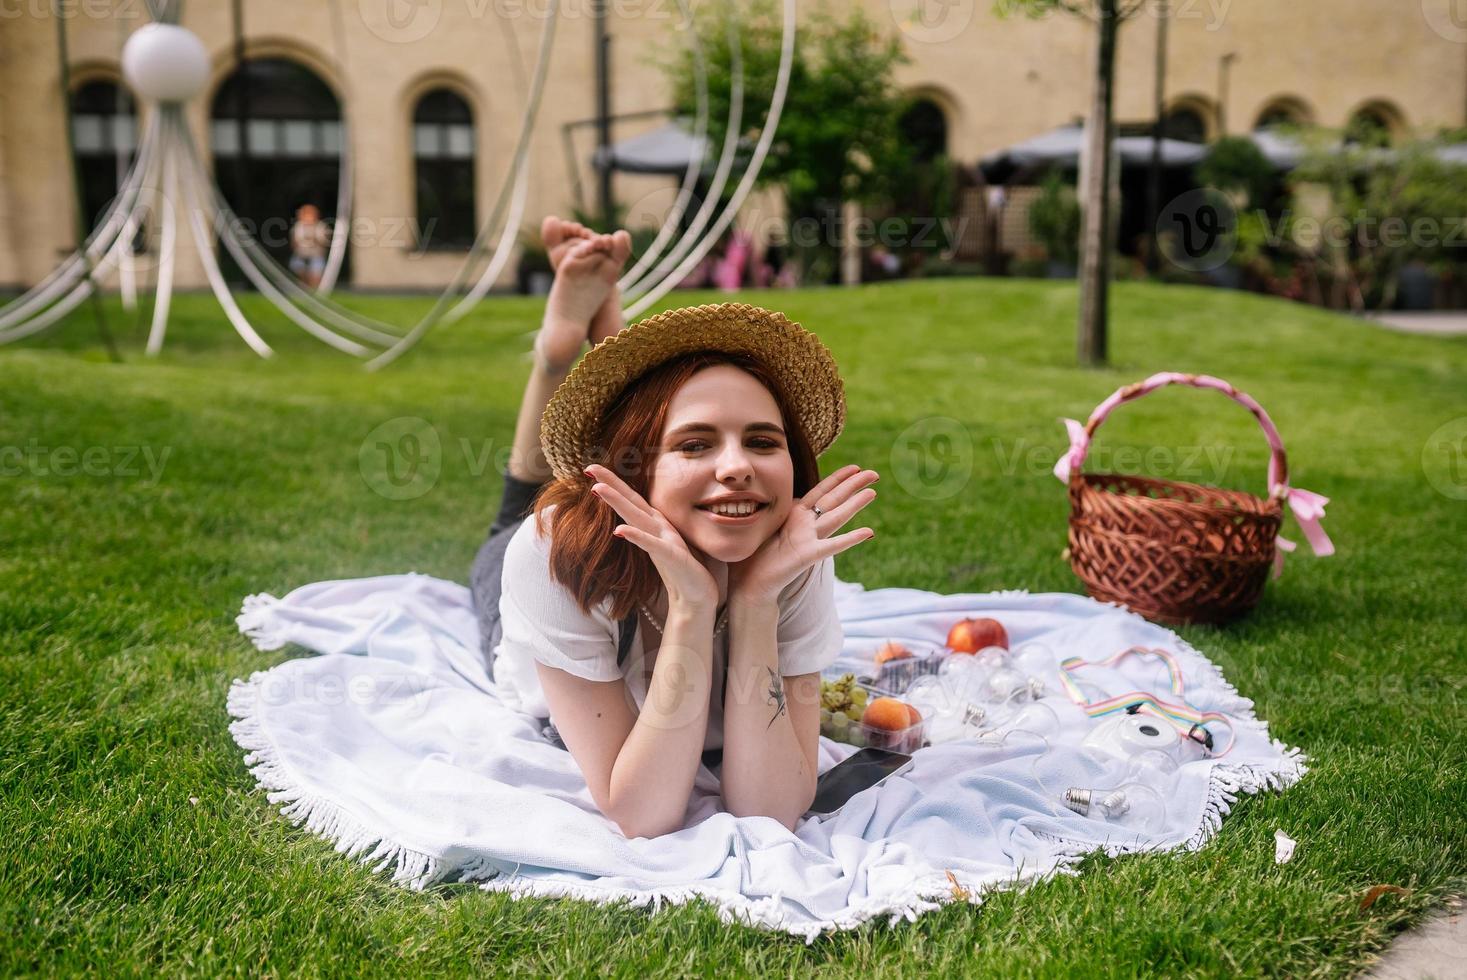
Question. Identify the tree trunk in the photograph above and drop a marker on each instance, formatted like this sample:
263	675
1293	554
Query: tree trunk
1158	129
850	246
1095	227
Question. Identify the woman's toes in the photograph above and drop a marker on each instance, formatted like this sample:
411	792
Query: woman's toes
621	245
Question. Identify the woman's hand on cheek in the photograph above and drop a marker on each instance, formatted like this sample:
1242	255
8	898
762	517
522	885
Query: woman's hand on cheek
805	539
685	577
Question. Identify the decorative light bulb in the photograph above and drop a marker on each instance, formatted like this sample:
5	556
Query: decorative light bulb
1133	805
1005	684
1036	660
993	657
1012	742
934	702
1036	718
957	666
1154	768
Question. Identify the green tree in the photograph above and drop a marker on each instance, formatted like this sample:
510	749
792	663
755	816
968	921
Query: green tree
1384	209
1054	219
1237	167
839	137
1107	16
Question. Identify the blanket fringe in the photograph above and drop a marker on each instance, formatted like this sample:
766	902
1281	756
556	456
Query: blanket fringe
924	894
257	620
411	868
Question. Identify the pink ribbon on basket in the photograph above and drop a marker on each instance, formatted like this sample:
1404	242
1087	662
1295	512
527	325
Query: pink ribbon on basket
1308	508
1079	443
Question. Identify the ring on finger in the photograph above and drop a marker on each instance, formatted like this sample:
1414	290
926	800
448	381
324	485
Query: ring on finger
818	510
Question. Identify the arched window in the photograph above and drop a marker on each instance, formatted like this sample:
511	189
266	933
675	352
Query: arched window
924	129
104	131
1373	124
443	158
1185	123
288	153
1283	112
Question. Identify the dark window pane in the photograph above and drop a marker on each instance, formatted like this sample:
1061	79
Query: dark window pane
1369	127
445	204
99	98
98	132
924	129
442	106
273	88
443	151
1186	125
292	156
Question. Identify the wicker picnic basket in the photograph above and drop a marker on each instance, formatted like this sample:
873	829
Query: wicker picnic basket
1174	552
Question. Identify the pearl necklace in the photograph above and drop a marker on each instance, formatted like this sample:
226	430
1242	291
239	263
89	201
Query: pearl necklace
717	628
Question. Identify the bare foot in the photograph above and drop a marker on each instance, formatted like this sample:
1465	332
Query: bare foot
585	277
559	236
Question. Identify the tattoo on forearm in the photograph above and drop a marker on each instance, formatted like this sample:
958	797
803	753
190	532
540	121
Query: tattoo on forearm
776	696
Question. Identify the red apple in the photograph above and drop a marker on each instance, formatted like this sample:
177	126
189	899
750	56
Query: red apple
972	635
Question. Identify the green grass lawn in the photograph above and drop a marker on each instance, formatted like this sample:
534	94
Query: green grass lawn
133	839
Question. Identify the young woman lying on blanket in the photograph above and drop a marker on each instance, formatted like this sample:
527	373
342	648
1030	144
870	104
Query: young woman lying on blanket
672	602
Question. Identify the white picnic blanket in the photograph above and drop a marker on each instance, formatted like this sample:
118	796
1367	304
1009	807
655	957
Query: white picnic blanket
392	744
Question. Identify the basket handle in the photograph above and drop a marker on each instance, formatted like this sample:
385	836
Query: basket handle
1308	507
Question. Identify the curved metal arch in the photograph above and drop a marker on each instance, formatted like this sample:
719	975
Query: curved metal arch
695	166
73	267
519	195
746	183
522	147
341	229
726	158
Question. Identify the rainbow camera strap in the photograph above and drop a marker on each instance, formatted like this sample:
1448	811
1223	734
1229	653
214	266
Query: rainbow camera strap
1190	723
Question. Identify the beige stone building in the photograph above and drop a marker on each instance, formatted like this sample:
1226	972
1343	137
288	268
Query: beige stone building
431	91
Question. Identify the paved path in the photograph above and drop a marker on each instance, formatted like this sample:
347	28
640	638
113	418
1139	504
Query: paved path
1438	949
1451	323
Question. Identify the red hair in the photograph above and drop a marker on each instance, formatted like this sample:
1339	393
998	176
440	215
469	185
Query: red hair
585	556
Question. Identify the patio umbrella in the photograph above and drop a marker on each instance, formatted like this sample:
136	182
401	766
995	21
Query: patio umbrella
1061	148
667	149
1286	151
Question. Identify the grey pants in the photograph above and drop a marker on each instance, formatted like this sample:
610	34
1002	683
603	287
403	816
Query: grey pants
486	577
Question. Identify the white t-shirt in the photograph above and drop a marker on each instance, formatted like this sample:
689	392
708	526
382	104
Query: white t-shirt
542	621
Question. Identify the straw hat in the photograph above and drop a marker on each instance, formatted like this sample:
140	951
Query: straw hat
795	356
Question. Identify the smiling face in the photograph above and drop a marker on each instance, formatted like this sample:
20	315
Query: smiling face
723	436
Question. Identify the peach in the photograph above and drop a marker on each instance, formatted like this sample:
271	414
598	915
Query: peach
889	723
972	635
891	650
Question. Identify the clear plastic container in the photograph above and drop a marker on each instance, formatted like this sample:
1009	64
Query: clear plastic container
890	681
842	729
895	676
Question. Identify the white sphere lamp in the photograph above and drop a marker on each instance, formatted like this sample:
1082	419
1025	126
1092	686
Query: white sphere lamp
165	62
